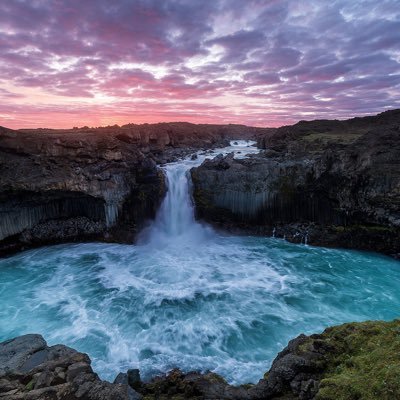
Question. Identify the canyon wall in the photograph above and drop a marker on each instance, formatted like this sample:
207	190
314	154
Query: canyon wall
330	183
91	183
57	188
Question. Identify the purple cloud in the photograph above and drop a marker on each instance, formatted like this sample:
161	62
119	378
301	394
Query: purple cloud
253	62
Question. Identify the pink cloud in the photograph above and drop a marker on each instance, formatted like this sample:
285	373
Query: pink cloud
86	62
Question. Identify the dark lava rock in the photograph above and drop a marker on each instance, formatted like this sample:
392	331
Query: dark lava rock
329	183
131	378
91	183
57	187
348	362
134	380
29	369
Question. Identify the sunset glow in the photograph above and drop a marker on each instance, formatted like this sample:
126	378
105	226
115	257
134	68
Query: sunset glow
257	62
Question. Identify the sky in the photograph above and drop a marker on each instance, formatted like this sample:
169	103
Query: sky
66	63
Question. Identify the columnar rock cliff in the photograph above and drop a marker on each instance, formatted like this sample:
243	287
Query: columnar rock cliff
90	183
56	188
334	183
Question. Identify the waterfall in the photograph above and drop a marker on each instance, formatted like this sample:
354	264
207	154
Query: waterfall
175	222
186	297
176	213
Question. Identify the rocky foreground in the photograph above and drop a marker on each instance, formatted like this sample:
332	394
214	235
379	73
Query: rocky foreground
348	362
327	183
91	183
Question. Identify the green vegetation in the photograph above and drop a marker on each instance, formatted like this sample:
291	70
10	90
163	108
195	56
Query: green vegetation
363	362
30	385
344	138
314	143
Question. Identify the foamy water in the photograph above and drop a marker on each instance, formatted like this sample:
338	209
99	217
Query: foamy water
187	297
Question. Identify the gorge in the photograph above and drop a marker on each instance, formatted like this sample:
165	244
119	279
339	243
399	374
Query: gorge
186	295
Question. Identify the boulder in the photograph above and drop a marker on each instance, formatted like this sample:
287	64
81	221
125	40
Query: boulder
29	369
347	362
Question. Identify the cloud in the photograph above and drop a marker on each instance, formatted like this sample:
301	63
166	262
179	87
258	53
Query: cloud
238	45
263	62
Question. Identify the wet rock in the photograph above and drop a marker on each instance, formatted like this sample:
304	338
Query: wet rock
121	378
131	378
18	354
347	362
134	380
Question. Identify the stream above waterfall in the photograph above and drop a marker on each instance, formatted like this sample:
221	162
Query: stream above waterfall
185	296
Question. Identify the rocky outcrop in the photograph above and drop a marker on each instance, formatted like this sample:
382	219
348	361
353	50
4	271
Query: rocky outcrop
31	370
312	183
347	362
56	188
90	183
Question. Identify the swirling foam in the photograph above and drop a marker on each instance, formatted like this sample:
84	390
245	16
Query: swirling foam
228	307
189	298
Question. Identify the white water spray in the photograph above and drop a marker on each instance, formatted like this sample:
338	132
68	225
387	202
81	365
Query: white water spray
175	223
188	297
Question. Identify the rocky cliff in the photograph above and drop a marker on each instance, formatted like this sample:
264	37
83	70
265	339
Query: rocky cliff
348	362
56	188
330	183
90	183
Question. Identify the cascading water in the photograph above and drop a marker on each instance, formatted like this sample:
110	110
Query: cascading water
175	223
176	214
187	297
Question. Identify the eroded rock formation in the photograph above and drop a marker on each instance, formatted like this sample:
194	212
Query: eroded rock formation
331	183
90	183
56	188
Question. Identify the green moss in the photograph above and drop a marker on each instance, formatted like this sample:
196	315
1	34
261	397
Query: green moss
364	362
29	386
376	228
339	228
215	378
345	137
304	347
